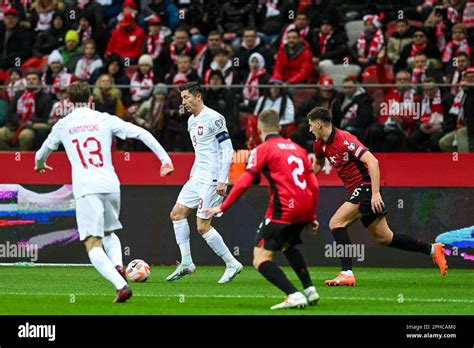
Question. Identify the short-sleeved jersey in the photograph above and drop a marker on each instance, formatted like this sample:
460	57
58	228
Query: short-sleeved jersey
286	167
87	135
207	130
344	151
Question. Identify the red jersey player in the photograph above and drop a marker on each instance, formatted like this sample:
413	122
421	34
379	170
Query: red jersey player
359	171
293	199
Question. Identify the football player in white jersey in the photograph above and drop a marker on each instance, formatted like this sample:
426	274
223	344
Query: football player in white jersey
87	138
206	187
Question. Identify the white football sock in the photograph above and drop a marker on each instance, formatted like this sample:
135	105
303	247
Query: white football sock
106	268
113	249
215	241
349	273
181	231
432	250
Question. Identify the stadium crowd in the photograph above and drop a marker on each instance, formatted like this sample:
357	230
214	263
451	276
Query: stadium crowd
131	52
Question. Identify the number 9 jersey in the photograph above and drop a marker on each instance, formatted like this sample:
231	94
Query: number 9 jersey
293	185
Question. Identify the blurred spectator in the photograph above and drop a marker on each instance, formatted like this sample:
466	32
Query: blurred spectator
233	17
106	97
330	44
16	82
277	98
27	114
86	8
86	31
41	13
422	69
15	42
293	62
301	25
270	15
151	115
127	39
457	44
114	67
401	38
224	101
428	130
420	44
168	58
369	44
455	71
325	96
175	134
222	63
156	38
251	43
56	75
89	62
257	75
129	6
167	11
356	109
319	9
142	82
397	113
71	52
53	38
184	72
205	57
460	122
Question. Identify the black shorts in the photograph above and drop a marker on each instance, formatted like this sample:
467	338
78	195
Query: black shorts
278	237
363	196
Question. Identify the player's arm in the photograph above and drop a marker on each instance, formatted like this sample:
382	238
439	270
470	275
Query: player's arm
50	144
125	130
227	151
374	171
318	165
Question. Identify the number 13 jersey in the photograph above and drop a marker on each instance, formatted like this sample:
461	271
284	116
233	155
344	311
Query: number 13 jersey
87	136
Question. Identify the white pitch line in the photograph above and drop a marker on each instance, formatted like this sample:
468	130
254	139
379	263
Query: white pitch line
382	299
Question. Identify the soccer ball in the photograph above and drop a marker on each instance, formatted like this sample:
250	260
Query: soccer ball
138	271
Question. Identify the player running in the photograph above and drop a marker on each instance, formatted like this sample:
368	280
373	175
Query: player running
359	171
206	186
293	199
87	138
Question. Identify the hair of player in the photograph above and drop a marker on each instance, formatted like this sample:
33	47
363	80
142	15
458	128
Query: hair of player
462	54
269	120
78	92
319	114
193	88
214	33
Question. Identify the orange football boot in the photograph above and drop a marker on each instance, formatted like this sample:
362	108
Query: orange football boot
341	280
439	259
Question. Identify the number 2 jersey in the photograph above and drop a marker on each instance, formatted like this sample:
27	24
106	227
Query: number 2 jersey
344	151
293	187
87	136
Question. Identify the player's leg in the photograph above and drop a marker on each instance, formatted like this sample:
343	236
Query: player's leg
90	221
384	236
208	198
111	242
217	244
345	216
188	199
270	238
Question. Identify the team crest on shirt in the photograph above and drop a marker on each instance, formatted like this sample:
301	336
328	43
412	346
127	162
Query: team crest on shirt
351	146
200	130
219	123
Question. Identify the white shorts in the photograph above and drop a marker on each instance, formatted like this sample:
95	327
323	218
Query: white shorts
201	196
97	213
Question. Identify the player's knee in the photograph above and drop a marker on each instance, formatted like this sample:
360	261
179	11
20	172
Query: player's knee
175	215
203	228
335	223
382	240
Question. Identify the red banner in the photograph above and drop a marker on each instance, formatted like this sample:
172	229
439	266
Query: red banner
142	168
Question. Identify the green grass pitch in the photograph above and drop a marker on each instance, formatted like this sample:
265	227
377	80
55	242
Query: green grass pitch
81	290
